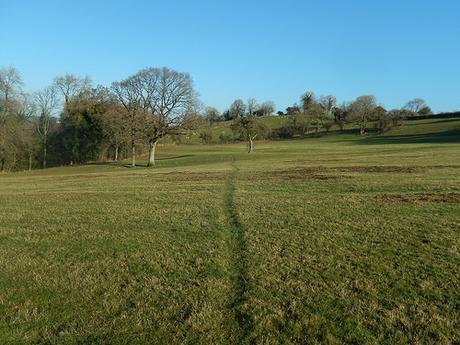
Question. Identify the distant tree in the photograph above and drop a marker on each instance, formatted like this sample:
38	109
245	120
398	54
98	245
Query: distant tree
340	115
71	86
280	113
212	114
382	118
414	106
328	103
46	103
395	116
295	109
361	111
425	111
378	113
237	109
266	108
300	124
249	128
226	115
10	84
252	106
317	116
307	100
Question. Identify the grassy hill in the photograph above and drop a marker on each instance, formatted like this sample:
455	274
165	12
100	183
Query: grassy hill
333	239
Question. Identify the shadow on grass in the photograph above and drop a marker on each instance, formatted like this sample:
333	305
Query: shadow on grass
451	136
427	122
125	164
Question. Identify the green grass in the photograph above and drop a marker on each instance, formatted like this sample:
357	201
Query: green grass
336	239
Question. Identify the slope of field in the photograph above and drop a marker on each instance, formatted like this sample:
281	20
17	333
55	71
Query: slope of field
336	239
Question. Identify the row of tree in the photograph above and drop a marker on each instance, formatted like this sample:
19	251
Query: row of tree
72	121
314	114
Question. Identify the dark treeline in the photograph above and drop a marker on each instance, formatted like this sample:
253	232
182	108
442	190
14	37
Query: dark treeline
73	121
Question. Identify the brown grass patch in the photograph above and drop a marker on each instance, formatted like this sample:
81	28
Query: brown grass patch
442	197
298	174
381	169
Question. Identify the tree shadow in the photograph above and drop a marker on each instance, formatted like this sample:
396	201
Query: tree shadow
451	136
125	164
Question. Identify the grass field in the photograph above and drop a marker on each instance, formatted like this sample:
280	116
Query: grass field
336	239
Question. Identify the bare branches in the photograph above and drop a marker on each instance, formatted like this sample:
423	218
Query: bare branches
10	82
71	86
47	103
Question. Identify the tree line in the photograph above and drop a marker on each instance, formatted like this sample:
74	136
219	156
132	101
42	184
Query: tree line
311	115
73	121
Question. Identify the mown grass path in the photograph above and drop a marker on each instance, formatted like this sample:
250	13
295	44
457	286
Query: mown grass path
240	260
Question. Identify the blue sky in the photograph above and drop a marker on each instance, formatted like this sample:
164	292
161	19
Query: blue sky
270	50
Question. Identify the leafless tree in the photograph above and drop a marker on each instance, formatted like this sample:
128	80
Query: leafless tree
114	126
70	86
237	109
212	114
415	105
128	93
10	82
46	102
361	111
252	106
171	104
328	103
267	108
10	86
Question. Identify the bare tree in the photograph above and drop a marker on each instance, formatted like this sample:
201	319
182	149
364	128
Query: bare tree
171	104
46	102
10	83
212	114
10	86
266	108
114	126
70	86
415	105
237	109
27	130
131	98
328	103
251	106
361	111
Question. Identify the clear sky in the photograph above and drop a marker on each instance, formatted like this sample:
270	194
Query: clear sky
270	50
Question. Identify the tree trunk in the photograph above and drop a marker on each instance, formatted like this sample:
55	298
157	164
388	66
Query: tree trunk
133	155
250	145
30	161
152	146
363	126
44	153
116	153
